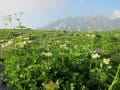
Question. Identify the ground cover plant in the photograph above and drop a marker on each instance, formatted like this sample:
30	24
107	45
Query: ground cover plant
57	60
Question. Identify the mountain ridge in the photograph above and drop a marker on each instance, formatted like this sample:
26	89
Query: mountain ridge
84	23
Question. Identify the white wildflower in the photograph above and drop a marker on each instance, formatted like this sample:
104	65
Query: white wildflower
26	38
10	42
106	60
63	46
76	46
1	41
88	35
67	42
93	36
109	67
21	44
7	43
24	42
29	41
20	37
2	45
95	55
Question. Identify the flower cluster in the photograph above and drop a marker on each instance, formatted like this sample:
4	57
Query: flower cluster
92	36
95	55
22	44
7	43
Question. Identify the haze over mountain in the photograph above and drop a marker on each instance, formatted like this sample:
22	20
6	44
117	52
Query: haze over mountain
38	13
84	23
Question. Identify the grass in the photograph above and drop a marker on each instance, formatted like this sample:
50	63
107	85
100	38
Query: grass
54	60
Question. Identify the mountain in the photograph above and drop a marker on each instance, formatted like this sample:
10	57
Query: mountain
84	23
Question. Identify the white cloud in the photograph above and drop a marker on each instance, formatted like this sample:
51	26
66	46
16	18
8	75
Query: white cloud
116	14
30	6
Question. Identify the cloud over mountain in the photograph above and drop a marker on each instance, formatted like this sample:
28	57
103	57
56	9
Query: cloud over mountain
84	24
116	14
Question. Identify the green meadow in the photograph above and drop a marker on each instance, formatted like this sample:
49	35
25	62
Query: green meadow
60	60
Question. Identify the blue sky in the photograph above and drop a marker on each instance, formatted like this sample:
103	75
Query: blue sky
38	13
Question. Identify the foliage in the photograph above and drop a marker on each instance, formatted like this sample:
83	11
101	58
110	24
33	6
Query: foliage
14	19
50	60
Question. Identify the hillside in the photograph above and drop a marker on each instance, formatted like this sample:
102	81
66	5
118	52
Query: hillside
84	23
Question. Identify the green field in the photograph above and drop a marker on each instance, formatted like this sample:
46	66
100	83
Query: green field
55	60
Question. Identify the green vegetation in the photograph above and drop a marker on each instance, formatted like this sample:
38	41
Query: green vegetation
53	60
13	21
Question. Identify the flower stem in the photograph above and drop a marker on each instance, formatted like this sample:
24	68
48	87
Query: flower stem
115	78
